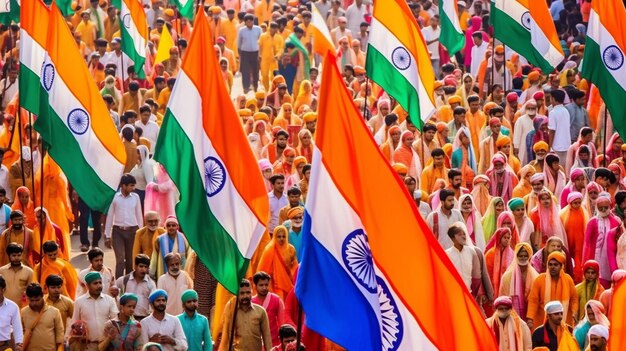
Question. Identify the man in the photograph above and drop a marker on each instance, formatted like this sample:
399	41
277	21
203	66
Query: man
8	87
248	46
52	264
296	218
425	145
559	126
288	336
523	126
123	220
598	337
294	195
150	128
175	282
96	260
17	274
459	114
11	332
441	219
355	14
274	150
16	170
18	233
437	170
553	331
170	241
144	237
464	257
195	325
117	57
507	334
272	303
478	52
431	37
161	327
123	332
455	183
132	99
277	199
138	282
271	47
578	115
563	290
84	212
94	300
501	177
541	150
54	298
42	323
252	330
488	145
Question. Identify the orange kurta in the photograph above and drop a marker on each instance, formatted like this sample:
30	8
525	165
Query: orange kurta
536	301
575	223
62	268
280	262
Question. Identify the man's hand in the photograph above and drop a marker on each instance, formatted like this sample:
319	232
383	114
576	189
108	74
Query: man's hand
530	324
155	338
107	243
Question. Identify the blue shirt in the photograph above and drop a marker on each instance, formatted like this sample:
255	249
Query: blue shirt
555	9
295	239
196	330
248	38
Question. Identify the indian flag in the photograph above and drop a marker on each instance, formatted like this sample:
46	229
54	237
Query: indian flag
452	37
34	21
223	207
134	33
185	8
74	121
398	59
603	62
10	11
526	27
322	41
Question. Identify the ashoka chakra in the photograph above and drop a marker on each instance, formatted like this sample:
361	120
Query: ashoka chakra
392	329
78	121
214	175
47	76
357	258
401	58
526	20
613	57
126	20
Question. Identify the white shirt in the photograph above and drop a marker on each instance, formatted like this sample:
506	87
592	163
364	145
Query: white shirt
355	16
523	126
111	57
140	288
10	321
275	205
478	54
464	262
169	326
444	224
10	92
4	181
175	286
95	312
150	132
429	34
107	279
125	211
558	121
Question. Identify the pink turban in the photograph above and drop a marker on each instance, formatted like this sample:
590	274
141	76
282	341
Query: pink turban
575	173
573	196
265	164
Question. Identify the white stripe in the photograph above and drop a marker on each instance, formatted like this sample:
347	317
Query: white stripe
318	22
228	206
512	9
103	163
139	42
450	12
32	54
600	34
542	44
332	220
386	42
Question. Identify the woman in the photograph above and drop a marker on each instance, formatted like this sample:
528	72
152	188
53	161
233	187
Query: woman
501	177
266	170
590	288
297	176
22	202
463	156
575	219
524	225
545	218
305	95
506	219
592	192
496	206
499	257
442	133
554	177
466	89
539	260
286	117
594	314
122	333
260	127
305	145
406	154
391	144
472	220
227	75
584	161
143	172
540	133
480	193
518	279
614	148
279	261
161	195
383	109
524	187
284	166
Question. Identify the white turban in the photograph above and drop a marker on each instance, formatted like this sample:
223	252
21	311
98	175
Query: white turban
553	307
599	330
26	153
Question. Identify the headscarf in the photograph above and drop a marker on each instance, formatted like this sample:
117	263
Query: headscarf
480	193
555	184
280	262
524	187
535	136
507	179
502	257
305	94
473	223
147	165
588	291
408	156
517	288
489	219
549	219
456	145
389	141
503	217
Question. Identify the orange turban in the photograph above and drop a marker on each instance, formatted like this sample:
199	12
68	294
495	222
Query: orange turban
454	100
558	256
540	145
245	112
533	76
298	160
503	140
289	152
400	168
259	95
260	116
311	116
295	212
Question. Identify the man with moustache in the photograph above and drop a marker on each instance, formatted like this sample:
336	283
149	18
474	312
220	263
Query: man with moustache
16	274
175	282
195	325
272	303
161	327
598	338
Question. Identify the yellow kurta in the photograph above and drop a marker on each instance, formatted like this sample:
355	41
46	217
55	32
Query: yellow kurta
87	34
430	175
270	48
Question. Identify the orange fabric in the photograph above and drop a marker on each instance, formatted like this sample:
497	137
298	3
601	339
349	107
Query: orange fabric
617	339
49	234
62	268
536	301
575	223
280	262
27	209
476	121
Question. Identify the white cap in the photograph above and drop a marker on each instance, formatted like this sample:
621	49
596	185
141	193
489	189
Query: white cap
461	3
599	330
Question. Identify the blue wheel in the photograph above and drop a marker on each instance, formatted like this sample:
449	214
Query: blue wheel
47	76
126	20
401	58
613	57
392	329
214	175
526	20
78	121
357	257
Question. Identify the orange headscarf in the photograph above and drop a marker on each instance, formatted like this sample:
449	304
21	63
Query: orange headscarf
280	262
28	210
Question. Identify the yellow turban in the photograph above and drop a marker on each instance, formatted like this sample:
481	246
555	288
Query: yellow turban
169	12
298	160
454	100
488	106
295	212
540	145
623	147
503	140
261	116
557	255
259	95
251	102
245	112
533	76
312	116
400	168
215	10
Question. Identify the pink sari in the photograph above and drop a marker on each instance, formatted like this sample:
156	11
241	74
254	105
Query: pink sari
162	200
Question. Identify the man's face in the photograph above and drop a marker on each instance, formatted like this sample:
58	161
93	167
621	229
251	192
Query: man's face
498	93
591	275
556	318
142	270
52	256
281	141
474	106
429	135
263	287
460	238
172	228
129	308
395	135
448	204
36	302
294	199
541	154
459	118
249	23
97	263
159	304
495	128
597	343
15	259
554	267
456	182
145	117
173	267
54	291
438	161
279	185
245	294
12	75
95	287
191	305
498	166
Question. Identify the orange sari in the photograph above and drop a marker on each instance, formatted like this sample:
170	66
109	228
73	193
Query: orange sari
61	268
280	262
27	209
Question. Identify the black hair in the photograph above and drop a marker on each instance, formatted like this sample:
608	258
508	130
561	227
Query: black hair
3	283
444	193
260	275
93	253
14	248
286	331
429	126
496	109
34	290
276	177
294	190
437	152
128	179
453	173
459	110
245	283
454	230
50	246
54	280
306	168
142	259
16	214
145	108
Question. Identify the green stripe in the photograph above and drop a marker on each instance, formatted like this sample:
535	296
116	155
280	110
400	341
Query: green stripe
66	7
212	243
452	40
517	37
612	92
128	48
187	10
30	88
385	74
13	16
64	149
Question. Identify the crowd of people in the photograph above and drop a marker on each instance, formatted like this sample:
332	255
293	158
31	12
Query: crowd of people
519	173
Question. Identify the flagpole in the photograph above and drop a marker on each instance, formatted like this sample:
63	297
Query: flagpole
606	119
19	131
41	230
232	327
299	331
504	68
30	138
367	81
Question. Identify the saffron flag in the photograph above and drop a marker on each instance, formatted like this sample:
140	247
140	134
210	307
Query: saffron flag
165	44
365	244
223	206
398	59
617	338
452	36
603	61
527	27
73	119
134	30
322	41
